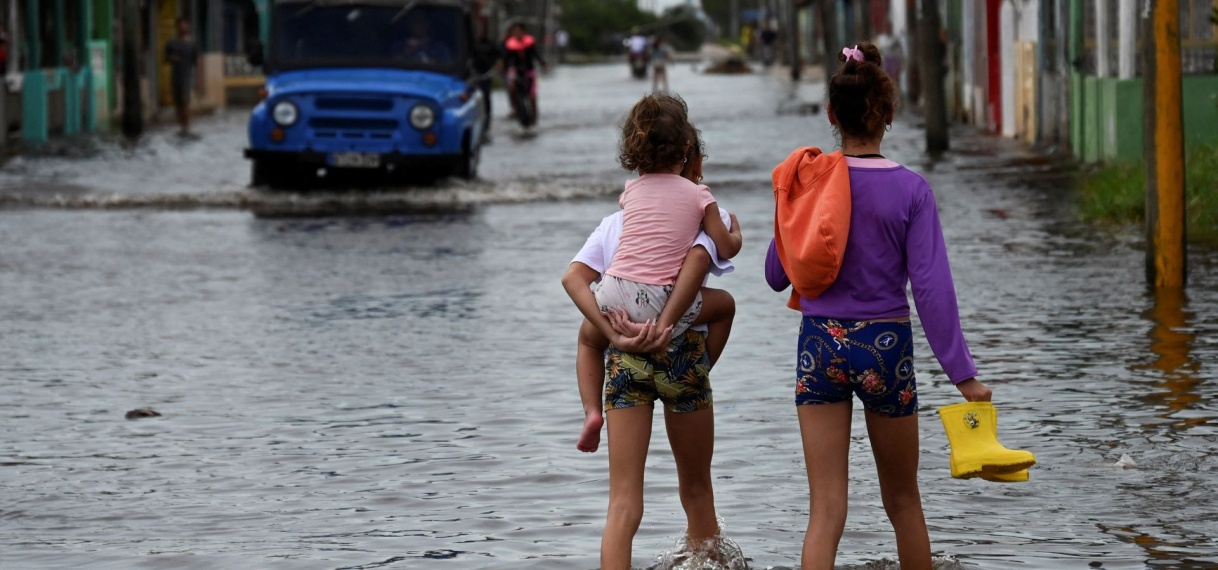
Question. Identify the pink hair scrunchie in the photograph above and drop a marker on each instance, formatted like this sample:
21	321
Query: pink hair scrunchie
853	53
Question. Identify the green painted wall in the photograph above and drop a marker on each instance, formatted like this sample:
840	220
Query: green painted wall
1076	113
1200	109
1107	114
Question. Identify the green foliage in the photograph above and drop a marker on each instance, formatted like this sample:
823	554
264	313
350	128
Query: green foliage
1116	194
592	23
720	12
1201	202
682	28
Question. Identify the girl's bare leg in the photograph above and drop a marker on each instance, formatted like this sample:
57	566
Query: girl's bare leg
825	429
629	436
590	376
894	442
692	437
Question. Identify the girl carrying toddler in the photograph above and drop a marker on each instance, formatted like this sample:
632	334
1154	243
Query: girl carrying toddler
662	214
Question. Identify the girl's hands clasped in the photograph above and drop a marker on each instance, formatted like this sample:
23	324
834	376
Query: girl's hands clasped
636	338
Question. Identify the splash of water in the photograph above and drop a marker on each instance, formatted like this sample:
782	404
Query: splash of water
715	553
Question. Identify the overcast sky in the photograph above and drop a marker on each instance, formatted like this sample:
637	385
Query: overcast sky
658	6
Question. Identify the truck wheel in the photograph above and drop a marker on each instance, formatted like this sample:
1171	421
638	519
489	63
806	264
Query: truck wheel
268	173
467	169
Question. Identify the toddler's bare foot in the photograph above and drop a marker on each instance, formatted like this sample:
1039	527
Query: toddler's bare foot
590	438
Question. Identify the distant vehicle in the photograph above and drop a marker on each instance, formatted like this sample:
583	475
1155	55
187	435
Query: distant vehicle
367	85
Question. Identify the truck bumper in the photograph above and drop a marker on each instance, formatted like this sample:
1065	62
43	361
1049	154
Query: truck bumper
393	161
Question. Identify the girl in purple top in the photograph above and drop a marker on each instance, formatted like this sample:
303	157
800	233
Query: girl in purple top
856	337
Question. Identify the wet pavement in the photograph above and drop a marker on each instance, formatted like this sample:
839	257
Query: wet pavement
397	390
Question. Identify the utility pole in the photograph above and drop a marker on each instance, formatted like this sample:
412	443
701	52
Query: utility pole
133	108
792	15
1166	266
733	7
833	46
913	67
933	91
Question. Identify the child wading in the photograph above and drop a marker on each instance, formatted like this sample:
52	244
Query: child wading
662	214
855	336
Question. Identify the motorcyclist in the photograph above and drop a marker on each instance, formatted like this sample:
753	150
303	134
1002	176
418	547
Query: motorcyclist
638	45
519	54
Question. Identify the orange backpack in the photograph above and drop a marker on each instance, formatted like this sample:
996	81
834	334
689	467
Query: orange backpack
811	219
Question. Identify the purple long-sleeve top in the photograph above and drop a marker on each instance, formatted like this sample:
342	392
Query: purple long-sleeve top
895	238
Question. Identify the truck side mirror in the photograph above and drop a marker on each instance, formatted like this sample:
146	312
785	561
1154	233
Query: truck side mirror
253	52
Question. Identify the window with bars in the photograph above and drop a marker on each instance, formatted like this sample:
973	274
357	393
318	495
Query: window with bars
1198	41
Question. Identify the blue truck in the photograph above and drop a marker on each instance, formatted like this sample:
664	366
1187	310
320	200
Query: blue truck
367	85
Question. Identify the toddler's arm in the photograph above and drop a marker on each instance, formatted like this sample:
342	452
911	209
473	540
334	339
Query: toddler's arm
689	281
726	240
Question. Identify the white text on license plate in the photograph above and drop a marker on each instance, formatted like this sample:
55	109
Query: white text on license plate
356	159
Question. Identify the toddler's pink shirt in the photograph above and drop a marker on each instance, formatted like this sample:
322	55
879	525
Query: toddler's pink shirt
662	214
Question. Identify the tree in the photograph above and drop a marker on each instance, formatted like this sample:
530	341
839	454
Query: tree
682	27
592	23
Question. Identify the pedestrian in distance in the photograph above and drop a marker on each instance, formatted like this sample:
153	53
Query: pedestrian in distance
182	54
855	335
769	36
561	40
661	56
714	318
486	57
662	215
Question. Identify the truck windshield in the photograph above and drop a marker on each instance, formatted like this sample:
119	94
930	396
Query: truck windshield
310	36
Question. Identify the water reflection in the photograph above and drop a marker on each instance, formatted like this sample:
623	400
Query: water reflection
1171	341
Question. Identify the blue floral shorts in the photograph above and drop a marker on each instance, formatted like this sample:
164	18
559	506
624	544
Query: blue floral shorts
679	376
839	358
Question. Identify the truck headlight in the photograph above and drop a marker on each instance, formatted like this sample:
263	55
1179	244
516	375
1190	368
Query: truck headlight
422	117
285	113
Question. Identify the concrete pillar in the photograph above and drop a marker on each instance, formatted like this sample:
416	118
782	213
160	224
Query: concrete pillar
1128	33
33	41
1101	38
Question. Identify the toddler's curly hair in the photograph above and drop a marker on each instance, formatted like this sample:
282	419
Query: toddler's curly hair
657	134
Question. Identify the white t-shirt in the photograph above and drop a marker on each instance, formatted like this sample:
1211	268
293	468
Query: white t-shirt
638	44
598	250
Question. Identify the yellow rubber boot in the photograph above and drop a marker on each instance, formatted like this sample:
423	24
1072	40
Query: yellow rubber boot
1015	477
973	435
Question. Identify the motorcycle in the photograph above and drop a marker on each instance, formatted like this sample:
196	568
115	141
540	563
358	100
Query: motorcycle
522	103
638	64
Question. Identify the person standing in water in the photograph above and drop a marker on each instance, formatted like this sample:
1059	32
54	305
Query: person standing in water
855	337
662	215
182	55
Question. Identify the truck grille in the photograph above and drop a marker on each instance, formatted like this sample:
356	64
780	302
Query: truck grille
352	128
353	104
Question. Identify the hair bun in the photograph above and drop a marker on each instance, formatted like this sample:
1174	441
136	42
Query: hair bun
866	50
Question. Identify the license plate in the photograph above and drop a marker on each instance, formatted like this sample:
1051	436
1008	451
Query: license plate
356	160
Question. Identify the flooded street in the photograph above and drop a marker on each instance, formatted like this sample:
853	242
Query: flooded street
398	391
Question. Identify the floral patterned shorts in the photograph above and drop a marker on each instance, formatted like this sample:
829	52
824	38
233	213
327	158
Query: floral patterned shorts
680	376
838	358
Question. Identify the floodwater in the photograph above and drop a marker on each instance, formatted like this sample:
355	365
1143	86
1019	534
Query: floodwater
397	390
